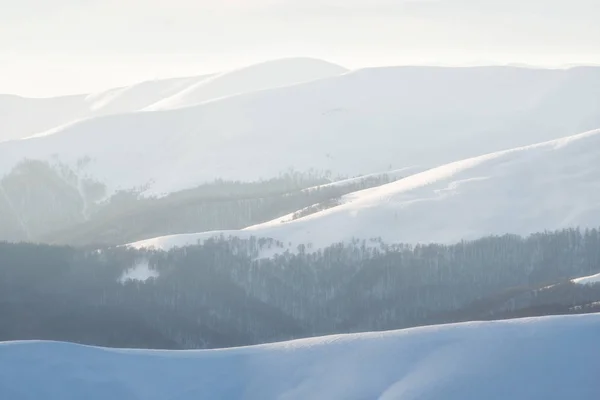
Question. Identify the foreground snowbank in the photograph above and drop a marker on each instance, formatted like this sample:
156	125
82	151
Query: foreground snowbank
544	358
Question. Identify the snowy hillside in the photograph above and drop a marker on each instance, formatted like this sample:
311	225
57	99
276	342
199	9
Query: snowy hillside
551	185
530	359
22	117
137	97
404	116
262	76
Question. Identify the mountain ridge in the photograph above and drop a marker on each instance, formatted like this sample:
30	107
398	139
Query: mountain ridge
325	112
26	118
262	76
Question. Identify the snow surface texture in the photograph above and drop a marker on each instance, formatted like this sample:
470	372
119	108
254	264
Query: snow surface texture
404	116
588	280
551	185
552	358
23	117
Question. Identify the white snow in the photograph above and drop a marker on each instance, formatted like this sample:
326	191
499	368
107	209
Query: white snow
21	117
139	96
173	241
393	174
587	280
552	358
32	117
139	272
25	117
547	186
271	74
403	116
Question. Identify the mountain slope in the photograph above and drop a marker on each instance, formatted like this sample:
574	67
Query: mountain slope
22	117
551	185
261	76
137	97
353	124
407	116
529	359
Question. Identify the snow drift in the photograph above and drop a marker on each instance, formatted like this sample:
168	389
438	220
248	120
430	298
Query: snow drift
530	359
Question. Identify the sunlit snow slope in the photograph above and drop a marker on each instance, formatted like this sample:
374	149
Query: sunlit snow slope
551	185
553	358
357	123
588	280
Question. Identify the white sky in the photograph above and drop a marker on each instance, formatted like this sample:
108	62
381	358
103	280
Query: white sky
51	47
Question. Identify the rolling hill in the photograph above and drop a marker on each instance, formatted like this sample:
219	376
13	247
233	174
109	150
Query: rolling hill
352	124
23	117
528	359
271	74
412	116
547	186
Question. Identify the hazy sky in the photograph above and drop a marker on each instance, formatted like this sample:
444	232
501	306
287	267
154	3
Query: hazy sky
50	47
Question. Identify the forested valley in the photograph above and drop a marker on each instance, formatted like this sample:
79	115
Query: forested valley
222	293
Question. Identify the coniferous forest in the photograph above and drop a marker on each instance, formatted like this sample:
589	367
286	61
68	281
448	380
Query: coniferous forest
222	294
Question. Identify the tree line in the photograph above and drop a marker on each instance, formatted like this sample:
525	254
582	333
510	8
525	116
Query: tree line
222	293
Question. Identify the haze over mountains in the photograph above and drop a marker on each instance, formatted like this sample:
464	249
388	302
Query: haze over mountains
295	199
23	117
305	116
413	116
300	199
262	76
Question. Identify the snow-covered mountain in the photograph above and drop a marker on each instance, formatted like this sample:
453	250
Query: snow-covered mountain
262	76
529	359
137	97
22	117
353	124
547	186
